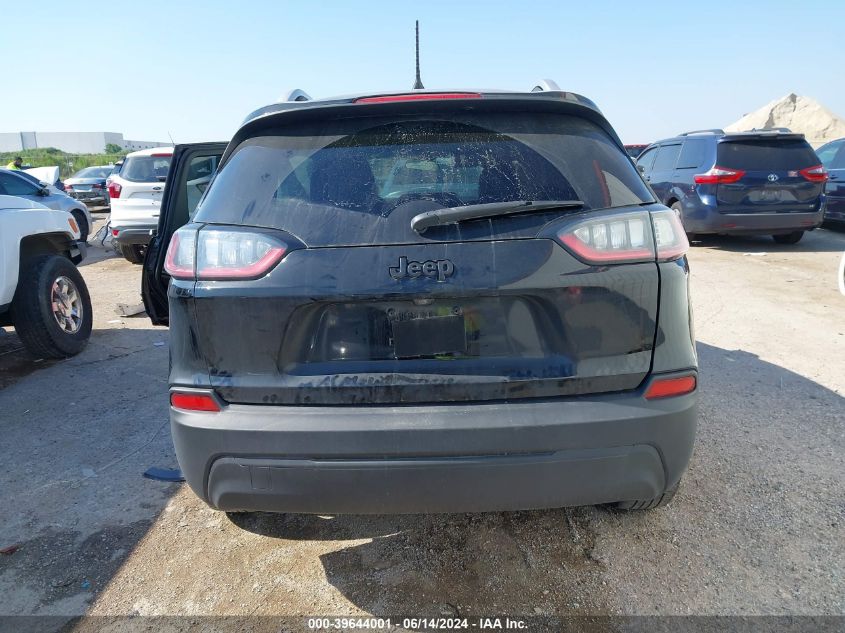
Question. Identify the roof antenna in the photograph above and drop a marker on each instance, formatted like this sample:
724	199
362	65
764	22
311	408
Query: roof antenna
418	83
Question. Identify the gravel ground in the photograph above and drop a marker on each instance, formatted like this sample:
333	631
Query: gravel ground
757	527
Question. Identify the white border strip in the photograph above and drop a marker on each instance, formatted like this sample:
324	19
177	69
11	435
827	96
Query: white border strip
842	275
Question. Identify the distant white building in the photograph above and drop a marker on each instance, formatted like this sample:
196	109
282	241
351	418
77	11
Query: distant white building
71	142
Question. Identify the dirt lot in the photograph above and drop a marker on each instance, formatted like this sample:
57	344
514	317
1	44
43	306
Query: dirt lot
758	527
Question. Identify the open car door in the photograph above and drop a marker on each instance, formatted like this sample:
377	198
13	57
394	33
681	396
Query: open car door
191	170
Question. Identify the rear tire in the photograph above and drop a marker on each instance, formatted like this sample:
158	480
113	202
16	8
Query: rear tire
789	238
678	208
51	310
132	253
648	504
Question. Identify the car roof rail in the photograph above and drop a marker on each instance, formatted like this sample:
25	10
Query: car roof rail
295	95
714	130
546	85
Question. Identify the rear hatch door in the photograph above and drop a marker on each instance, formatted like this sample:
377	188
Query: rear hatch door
365	309
772	180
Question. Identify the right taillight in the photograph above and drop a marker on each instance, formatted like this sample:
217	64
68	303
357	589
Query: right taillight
814	174
610	239
626	238
219	254
669	236
670	387
719	176
114	189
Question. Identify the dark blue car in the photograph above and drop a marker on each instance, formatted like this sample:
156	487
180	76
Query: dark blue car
767	182
832	156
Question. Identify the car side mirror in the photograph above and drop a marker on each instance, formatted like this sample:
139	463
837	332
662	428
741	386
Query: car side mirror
44	192
641	169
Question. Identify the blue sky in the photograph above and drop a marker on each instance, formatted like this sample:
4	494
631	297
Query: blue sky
195	69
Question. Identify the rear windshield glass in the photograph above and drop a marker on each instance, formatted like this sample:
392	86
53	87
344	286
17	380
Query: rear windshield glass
145	168
360	181
93	172
766	155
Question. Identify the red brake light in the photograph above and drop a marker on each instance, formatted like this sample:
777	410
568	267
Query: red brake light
179	261
814	174
669	235
668	387
163	155
95	186
114	189
249	270
194	402
420	96
217	254
610	239
626	238
718	176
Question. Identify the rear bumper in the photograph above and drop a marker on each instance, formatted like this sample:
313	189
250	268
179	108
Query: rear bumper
835	215
702	218
95	201
139	234
442	458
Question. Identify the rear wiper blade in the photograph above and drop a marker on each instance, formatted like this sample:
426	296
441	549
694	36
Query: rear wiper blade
453	215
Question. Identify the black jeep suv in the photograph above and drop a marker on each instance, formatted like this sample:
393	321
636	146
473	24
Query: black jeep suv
424	302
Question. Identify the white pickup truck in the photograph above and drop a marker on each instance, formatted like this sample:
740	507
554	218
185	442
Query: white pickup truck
42	293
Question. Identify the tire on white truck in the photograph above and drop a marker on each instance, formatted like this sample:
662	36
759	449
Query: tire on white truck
51	310
42	293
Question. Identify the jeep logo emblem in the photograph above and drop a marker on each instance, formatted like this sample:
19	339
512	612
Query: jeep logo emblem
440	269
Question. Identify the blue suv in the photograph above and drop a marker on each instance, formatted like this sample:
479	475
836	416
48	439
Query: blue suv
766	182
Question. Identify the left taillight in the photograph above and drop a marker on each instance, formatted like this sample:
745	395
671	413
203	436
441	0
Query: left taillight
194	402
626	238
814	174
219	254
719	176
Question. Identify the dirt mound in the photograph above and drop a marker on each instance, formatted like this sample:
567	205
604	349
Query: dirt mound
799	114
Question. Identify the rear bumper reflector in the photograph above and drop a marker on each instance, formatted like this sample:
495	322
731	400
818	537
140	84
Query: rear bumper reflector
668	387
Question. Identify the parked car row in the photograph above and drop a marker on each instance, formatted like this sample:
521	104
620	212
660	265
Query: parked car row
25	185
761	182
776	186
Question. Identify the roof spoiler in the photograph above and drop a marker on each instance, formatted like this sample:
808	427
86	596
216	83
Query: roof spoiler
546	85
775	130
779	132
295	95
